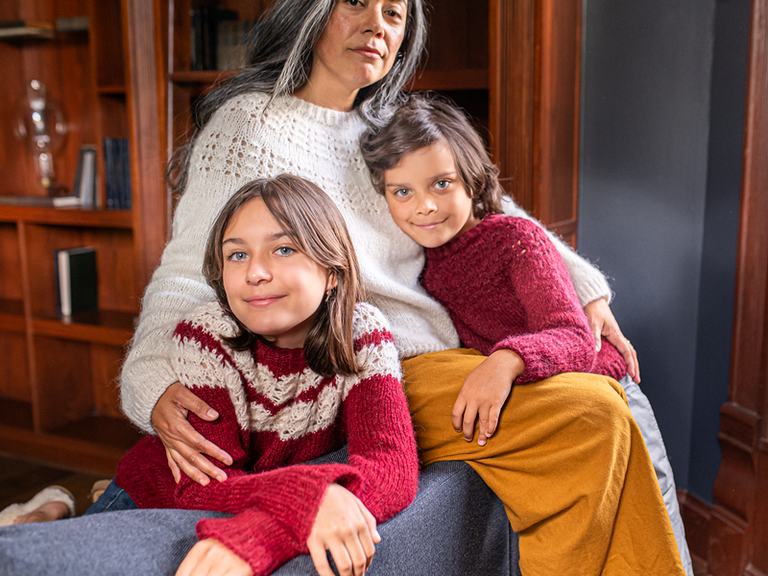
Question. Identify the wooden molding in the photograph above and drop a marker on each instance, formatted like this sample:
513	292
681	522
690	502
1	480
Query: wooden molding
534	87
696	517
738	534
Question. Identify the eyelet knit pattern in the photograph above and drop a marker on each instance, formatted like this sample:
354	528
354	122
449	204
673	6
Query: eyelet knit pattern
274	415
506	287
244	140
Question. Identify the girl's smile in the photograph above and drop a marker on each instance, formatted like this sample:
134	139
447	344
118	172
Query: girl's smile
272	287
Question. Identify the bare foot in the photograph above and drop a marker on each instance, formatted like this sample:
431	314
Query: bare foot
45	513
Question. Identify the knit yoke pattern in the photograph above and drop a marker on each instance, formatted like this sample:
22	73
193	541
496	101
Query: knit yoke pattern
506	287
275	414
252	137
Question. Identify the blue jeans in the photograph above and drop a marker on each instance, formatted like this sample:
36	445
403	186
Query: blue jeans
113	499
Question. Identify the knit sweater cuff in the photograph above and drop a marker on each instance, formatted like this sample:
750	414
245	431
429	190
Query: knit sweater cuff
257	537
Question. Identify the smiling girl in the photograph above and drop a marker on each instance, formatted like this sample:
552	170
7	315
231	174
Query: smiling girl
500	278
296	366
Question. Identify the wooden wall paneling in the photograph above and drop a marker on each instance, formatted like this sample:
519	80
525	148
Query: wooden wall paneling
510	85
119	285
738	538
108	54
458	35
10	263
65	381
13	155
556	115
105	367
534	83
24	259
14	373
150	201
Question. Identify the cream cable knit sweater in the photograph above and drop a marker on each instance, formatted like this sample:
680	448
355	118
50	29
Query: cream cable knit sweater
244	141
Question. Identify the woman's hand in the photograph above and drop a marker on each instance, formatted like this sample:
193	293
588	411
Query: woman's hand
184	446
603	323
484	393
210	557
346	528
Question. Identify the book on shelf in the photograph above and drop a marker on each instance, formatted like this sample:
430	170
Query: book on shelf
117	172
40	201
77	279
203	35
232	43
72	24
85	177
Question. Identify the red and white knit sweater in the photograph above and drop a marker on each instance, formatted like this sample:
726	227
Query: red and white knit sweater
505	286
275	414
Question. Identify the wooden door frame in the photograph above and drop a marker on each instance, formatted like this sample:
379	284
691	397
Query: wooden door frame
738	530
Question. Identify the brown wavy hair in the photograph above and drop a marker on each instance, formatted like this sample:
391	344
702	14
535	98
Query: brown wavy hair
420	121
312	220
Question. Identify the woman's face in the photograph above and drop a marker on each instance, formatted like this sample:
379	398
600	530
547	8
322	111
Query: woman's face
358	46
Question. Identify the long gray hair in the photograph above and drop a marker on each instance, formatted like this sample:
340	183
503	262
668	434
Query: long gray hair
280	60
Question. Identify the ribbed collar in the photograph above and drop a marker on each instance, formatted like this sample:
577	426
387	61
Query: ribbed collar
280	361
331	118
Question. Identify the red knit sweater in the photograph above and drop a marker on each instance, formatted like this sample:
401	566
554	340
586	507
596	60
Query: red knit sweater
505	286
276	413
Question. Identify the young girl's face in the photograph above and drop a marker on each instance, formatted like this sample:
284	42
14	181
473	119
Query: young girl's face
426	197
272	287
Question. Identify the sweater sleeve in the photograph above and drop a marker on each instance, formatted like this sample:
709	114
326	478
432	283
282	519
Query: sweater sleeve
382	444
557	336
589	282
177	285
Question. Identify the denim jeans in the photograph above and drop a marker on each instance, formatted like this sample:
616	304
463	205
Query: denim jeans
113	499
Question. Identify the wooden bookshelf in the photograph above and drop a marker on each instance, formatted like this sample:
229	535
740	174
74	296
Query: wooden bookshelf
58	398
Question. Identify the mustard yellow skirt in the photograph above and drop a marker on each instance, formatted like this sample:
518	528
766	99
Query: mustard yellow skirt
567	460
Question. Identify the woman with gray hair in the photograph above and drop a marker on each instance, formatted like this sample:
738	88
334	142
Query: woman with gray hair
320	72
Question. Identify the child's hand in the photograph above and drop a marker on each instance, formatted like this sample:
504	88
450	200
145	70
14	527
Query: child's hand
346	528
210	557
484	393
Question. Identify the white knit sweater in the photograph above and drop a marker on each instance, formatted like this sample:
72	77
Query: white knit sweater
244	141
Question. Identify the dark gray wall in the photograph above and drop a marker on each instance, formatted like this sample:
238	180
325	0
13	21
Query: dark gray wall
657	210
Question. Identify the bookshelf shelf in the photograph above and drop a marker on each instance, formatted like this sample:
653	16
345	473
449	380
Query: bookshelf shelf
112	90
101	326
94	218
20	33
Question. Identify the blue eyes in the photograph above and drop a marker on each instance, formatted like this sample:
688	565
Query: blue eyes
239	256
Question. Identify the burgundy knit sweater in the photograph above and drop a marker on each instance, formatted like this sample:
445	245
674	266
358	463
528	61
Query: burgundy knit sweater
505	286
275	414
